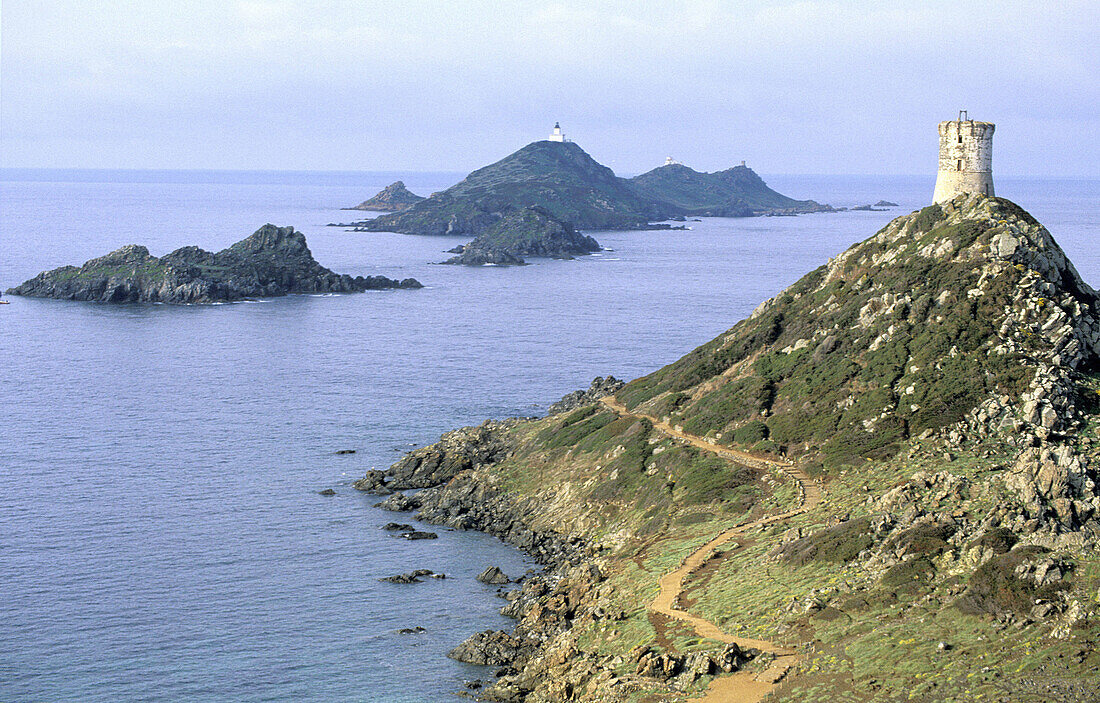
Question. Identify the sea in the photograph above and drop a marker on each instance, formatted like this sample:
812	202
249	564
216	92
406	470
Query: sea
162	536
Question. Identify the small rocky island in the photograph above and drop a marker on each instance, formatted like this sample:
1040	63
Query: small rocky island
274	261
531	231
392	198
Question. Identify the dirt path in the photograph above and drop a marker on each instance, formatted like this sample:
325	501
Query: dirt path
741	687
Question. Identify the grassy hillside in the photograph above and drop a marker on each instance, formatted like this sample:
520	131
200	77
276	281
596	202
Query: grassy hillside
897	336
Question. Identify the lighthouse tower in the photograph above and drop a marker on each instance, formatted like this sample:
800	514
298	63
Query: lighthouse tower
966	158
556	135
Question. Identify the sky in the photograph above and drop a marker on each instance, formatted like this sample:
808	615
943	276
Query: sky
813	87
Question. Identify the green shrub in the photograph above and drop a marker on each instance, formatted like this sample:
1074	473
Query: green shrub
840	543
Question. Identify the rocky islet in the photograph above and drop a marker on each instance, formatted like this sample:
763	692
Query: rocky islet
274	261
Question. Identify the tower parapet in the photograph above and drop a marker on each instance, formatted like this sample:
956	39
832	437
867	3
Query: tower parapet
966	158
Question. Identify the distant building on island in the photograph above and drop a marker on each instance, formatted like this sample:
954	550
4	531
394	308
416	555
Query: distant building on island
966	158
556	135
669	161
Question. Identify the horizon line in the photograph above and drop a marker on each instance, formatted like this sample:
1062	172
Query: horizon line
197	170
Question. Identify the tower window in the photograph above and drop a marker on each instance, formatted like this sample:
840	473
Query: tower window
960	135
960	166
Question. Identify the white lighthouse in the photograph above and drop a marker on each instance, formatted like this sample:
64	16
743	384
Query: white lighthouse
556	135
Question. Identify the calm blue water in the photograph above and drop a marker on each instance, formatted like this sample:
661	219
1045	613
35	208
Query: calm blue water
160	533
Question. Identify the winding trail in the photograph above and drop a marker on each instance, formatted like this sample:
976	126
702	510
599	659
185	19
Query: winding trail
741	687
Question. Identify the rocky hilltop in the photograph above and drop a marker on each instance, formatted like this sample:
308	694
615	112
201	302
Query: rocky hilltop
273	261
393	197
735	192
530	231
881	486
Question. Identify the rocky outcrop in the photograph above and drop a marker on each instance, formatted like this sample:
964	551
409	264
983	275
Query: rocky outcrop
491	647
392	198
493	576
456	451
600	387
530	231
273	261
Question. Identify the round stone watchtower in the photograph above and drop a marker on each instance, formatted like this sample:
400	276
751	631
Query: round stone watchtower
966	158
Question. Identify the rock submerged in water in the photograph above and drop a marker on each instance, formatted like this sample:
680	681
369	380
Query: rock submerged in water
397	527
419	534
493	576
274	261
412	576
327	492
530	231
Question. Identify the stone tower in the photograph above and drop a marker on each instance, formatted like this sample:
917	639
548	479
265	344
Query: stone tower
966	158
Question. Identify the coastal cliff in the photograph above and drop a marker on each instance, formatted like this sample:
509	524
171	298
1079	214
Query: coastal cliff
884	481
273	261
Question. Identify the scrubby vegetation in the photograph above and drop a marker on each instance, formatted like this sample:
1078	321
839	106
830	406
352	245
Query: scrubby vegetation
855	358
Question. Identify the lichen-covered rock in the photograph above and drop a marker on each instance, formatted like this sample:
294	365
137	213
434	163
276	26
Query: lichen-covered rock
273	261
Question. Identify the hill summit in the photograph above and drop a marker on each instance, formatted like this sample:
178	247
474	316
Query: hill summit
961	308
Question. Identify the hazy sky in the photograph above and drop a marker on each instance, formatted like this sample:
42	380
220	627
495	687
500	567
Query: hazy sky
792	87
